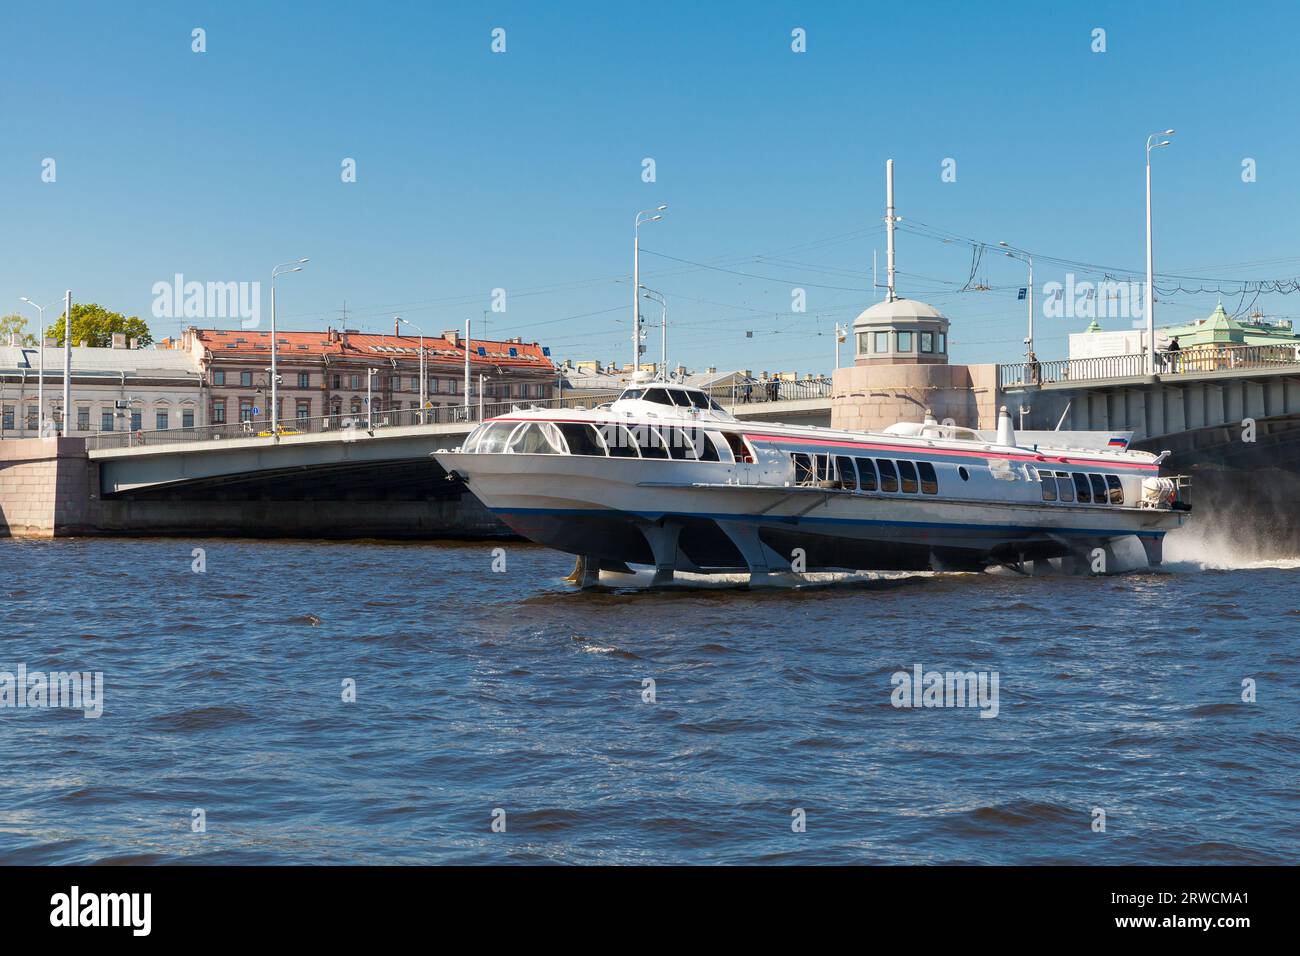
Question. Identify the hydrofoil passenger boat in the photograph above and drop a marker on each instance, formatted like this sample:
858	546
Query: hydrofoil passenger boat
664	477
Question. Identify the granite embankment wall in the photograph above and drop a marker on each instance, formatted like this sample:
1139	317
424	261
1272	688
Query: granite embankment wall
45	488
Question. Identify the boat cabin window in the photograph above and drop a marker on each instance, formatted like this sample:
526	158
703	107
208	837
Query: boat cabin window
803	468
888	475
649	441
929	480
619	441
1099	494
1049	486
1064	486
907	473
581	438
657	395
681	445
739	449
704	444
848	475
1081	490
490	439
866	474
631	393
1116	489
536	438
825	470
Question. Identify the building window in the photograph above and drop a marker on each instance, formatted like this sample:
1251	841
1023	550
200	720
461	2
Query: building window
8	418
83	419
927	341
943	343
304	410
187	417
106	420
354	382
337	378
304	380
160	420
33	417
881	343
864	340
218	377
137	420
904	341
355	406
245	409
246	379
219	413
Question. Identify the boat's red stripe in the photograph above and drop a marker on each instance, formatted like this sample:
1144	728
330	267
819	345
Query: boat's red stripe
837	443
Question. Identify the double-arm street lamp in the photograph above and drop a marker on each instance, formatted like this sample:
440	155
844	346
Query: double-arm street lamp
636	281
282	269
40	375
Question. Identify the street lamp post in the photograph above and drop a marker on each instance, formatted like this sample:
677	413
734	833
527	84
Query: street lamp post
636	282
1026	257
423	375
370	396
841	333
467	379
278	271
1150	297
40	375
67	358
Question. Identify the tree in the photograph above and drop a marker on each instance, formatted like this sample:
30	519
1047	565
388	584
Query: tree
95	325
15	323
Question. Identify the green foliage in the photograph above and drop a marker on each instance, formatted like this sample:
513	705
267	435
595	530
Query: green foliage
95	325
15	323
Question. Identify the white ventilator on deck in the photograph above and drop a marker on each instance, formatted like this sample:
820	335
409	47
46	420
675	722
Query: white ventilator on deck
1006	434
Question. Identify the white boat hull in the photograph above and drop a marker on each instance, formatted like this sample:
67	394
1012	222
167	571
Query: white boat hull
701	516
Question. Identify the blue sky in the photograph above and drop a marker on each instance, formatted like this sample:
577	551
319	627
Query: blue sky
522	170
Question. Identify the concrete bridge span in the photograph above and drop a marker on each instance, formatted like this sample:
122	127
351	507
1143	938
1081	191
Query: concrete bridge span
1236	431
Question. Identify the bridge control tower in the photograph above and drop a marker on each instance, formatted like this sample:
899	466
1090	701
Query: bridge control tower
901	366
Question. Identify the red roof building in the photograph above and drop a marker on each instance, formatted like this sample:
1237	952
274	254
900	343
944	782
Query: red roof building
326	373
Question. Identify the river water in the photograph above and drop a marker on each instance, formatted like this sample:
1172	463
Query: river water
489	696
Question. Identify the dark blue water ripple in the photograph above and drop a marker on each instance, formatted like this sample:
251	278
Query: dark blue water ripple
479	690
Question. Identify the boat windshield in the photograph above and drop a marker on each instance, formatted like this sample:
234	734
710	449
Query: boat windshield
672	397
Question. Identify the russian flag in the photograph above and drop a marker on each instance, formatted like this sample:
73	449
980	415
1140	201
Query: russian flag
1118	443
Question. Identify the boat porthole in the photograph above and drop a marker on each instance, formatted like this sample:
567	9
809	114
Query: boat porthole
965	475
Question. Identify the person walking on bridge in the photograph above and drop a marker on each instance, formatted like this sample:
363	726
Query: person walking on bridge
1171	354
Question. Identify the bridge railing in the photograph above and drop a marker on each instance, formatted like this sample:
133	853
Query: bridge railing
730	395
1193	359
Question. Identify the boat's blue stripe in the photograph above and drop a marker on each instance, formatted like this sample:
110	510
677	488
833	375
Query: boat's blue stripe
789	519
